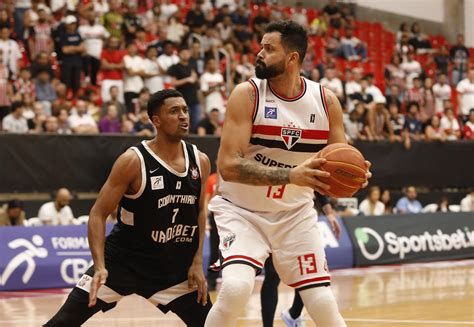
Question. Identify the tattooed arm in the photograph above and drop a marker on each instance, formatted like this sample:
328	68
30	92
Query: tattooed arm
235	139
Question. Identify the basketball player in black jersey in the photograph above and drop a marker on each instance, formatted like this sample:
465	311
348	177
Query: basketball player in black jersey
155	249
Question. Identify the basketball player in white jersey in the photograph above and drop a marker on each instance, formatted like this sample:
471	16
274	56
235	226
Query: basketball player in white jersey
274	126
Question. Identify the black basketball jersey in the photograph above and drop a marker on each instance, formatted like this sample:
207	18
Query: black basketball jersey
157	228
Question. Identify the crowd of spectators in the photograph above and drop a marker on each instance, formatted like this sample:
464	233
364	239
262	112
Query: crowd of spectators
56	212
377	203
381	202
90	66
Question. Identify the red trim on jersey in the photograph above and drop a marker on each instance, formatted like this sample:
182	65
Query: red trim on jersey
311	280
326	105
276	131
255	99
237	257
303	83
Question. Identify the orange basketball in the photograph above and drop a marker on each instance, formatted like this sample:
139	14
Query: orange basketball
347	168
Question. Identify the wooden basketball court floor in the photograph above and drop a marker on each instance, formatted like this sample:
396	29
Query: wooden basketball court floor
428	294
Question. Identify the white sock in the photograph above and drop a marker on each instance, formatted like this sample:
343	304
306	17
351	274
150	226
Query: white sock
237	285
322	307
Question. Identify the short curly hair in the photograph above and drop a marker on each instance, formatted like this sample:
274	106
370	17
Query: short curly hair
158	98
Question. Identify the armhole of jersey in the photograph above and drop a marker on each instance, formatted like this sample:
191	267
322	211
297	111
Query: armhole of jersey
256	100
325	105
143	170
198	160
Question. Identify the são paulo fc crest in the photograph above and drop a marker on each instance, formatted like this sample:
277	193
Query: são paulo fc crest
290	136
194	173
227	241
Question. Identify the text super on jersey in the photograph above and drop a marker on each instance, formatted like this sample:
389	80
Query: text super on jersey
159	224
285	133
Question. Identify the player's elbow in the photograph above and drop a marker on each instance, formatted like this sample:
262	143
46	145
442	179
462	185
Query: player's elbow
228	170
97	215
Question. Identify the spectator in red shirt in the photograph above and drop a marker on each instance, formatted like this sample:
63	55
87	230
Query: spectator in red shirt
112	66
24	84
40	35
415	94
469	126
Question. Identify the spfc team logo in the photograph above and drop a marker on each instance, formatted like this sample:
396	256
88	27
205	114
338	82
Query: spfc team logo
227	241
290	136
194	173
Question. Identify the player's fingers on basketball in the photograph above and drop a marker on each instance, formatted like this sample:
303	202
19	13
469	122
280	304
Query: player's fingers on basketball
368	164
365	184
321	185
320	173
316	162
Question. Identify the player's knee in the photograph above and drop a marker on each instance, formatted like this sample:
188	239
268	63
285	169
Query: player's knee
322	306
234	293
237	288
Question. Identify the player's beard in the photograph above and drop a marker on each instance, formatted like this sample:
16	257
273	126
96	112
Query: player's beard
263	71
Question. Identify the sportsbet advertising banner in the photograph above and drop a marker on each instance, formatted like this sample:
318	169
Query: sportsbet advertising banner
411	238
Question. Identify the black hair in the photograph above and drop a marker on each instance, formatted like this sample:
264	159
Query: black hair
293	36
210	58
158	98
144	90
369	75
16	105
12	204
42	70
168	42
183	47
150	47
414	103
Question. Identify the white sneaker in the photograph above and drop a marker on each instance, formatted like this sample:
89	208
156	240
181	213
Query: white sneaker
290	322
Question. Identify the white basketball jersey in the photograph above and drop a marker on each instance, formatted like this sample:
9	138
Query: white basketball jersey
285	133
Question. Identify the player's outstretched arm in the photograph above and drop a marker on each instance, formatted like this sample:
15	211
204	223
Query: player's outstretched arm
195	273
235	138
124	171
336	125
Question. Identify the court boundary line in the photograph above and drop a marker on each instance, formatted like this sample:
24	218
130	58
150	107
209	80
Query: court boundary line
171	319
